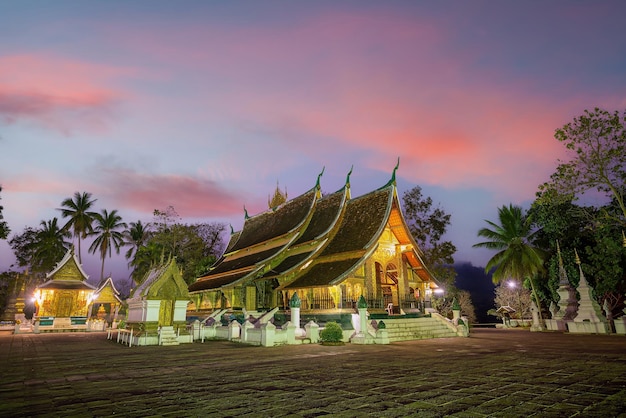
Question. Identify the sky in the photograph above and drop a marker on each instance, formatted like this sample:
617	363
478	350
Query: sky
205	106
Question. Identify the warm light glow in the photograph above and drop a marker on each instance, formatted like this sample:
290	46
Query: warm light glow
38	297
439	291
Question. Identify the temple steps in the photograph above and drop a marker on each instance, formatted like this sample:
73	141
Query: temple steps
405	329
168	336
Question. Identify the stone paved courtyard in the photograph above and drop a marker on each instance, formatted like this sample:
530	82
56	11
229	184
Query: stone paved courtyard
493	373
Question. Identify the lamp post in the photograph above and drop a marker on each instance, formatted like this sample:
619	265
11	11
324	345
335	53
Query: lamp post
513	285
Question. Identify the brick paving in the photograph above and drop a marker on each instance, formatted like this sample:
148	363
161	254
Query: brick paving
493	373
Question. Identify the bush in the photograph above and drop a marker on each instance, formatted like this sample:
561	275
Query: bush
331	333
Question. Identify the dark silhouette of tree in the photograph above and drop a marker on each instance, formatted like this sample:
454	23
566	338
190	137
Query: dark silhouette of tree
80	216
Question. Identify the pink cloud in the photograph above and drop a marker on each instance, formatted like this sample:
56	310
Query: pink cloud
190	196
57	93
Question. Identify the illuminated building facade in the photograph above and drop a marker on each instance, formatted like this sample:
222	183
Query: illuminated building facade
329	249
66	293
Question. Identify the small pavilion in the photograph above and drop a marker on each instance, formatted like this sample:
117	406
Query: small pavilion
66	296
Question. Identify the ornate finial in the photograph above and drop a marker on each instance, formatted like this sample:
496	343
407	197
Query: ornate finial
318	177
455	305
577	258
393	176
245	212
348	176
294	302
623	239
232	231
558	252
362	303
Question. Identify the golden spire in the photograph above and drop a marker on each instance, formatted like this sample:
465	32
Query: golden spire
278	199
577	258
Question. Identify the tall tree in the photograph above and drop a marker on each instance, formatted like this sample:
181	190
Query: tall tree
39	249
78	210
597	144
4	227
135	237
517	257
108	232
428	224
51	245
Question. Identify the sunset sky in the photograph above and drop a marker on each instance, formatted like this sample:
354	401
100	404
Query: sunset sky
206	105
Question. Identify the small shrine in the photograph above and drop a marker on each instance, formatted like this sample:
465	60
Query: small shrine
589	318
63	301
106	303
157	308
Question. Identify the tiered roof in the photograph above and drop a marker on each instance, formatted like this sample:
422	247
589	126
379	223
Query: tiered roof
313	240
67	274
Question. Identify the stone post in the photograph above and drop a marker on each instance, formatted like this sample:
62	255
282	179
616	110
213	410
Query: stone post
536	325
362	307
312	332
234	330
294	306
244	330
456	311
290	329
268	334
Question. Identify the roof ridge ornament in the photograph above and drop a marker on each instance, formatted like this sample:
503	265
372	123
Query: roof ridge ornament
392	181
318	188
348	183
245	212
317	184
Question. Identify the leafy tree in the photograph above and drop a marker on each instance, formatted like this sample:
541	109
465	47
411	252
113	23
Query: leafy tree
38	250
196	246
517	257
144	259
597	143
23	246
597	239
78	210
4	227
108	235
427	225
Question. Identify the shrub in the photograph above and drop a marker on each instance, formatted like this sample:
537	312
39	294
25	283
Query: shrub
331	333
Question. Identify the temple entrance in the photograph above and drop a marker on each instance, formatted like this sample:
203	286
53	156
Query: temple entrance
64	308
166	313
387	285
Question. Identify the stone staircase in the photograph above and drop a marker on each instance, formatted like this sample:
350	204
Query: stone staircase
168	336
405	329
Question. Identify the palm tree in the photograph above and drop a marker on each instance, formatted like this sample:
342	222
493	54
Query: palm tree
108	232
517	257
50	245
136	236
81	218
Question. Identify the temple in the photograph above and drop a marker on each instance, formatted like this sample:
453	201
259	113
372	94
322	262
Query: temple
65	298
328	249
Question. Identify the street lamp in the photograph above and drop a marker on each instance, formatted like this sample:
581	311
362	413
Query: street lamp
513	284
